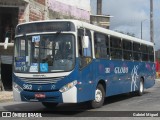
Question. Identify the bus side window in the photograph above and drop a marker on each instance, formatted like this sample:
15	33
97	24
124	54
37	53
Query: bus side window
127	50
144	50
85	54
151	53
116	48
101	45
137	56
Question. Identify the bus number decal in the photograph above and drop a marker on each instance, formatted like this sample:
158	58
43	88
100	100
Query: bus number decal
35	38
27	87
107	70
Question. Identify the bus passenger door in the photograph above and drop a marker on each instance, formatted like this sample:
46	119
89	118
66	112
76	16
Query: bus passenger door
85	65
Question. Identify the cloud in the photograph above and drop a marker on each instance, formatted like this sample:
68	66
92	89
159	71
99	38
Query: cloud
128	15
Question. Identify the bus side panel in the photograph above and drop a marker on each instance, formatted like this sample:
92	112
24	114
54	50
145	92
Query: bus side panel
122	77
86	86
115	74
146	71
149	75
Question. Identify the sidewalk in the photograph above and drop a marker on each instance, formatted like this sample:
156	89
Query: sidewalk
6	96
158	79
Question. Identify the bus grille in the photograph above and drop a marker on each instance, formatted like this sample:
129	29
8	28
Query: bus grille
41	80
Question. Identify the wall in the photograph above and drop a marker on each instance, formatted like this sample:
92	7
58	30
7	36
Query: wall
72	9
27	10
43	2
20	4
81	4
33	10
37	10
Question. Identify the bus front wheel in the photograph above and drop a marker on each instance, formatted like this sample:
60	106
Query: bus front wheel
99	97
49	104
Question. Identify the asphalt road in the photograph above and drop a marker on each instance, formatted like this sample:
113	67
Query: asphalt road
117	106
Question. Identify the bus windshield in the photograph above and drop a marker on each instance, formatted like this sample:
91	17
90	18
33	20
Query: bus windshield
44	53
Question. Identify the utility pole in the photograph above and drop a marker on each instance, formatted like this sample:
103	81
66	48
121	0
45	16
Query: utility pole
151	22
142	28
99	7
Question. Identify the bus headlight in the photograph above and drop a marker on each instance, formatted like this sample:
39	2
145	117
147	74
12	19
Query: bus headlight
17	87
68	86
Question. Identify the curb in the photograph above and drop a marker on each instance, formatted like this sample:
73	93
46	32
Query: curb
6	100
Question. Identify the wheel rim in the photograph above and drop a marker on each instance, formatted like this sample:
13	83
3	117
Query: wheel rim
98	95
141	87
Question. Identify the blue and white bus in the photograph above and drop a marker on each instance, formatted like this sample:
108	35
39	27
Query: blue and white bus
69	61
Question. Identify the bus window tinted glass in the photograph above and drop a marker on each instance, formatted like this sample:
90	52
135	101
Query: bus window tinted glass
137	55
136	47
127	45
116	48
127	50
115	42
144	48
101	45
151	53
50	53
85	54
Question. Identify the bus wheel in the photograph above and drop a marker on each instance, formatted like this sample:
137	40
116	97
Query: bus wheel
49	104
141	88
99	97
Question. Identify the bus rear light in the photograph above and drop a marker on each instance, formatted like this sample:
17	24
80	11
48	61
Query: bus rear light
68	86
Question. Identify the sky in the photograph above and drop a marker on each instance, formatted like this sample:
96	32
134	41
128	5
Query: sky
128	15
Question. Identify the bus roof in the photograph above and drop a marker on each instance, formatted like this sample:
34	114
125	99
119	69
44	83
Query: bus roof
98	29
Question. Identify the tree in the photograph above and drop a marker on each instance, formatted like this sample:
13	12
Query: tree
127	33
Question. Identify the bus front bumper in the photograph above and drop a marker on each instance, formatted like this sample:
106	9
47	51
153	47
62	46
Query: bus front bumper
69	96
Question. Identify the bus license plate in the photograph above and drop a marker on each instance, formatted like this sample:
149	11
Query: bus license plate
40	95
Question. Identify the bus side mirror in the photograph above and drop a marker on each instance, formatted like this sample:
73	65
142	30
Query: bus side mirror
85	42
6	43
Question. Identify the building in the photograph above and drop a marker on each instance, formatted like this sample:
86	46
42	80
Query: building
158	54
13	12
72	9
100	19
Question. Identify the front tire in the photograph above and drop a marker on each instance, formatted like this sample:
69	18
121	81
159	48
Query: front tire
99	97
49	105
141	87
